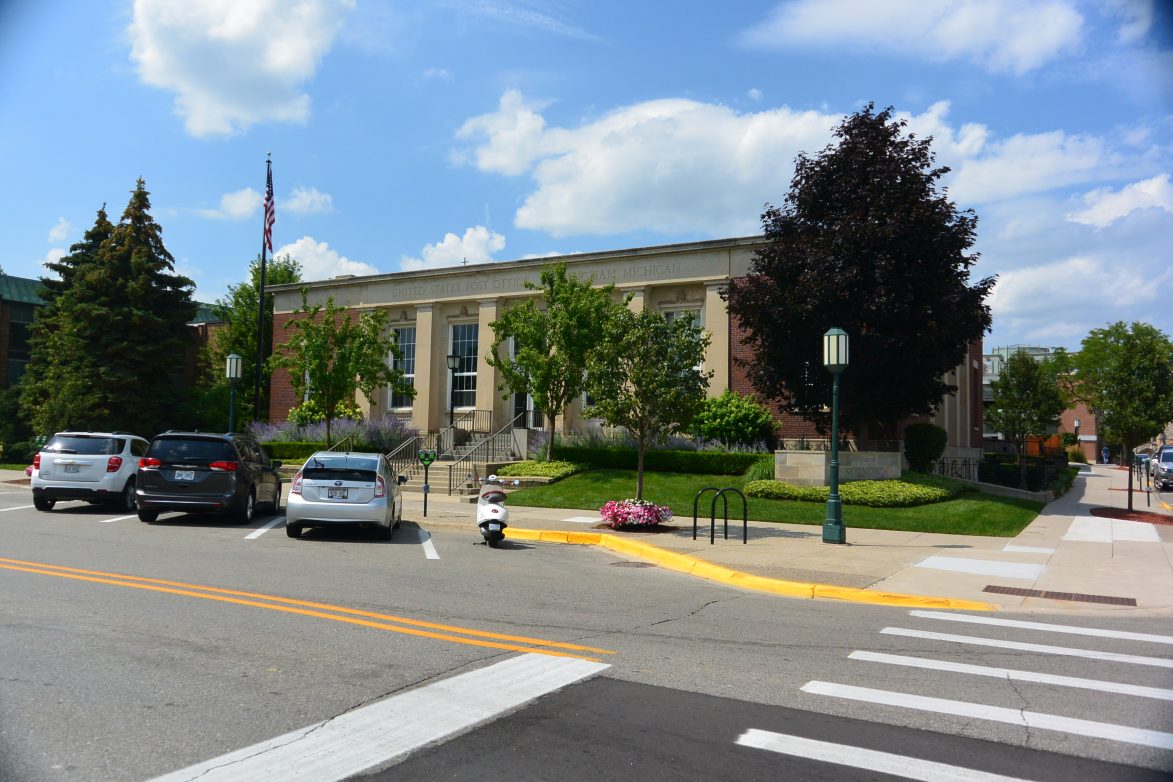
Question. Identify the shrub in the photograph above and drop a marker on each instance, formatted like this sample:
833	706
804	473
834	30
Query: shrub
923	445
1076	454
1068	439
911	489
733	419
1063	481
542	469
310	412
384	434
634	513
761	470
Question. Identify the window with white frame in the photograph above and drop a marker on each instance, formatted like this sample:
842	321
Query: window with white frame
464	379
405	340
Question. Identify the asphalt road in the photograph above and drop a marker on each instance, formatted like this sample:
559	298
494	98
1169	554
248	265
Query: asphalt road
129	651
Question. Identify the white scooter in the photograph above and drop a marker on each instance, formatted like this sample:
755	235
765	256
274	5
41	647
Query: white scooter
492	517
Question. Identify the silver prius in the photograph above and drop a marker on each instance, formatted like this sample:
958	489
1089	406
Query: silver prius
345	488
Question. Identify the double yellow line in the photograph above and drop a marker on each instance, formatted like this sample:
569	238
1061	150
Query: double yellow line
354	616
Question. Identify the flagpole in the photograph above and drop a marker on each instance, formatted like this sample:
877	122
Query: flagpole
266	243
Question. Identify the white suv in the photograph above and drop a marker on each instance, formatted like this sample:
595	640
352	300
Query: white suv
91	466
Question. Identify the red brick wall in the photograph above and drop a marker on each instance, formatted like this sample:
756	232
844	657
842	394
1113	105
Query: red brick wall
789	425
281	396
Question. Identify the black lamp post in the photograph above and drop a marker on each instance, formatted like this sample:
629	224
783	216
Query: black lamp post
835	360
453	363
232	371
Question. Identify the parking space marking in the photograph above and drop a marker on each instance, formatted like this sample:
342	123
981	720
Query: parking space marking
257	533
425	539
117	518
18	507
369	736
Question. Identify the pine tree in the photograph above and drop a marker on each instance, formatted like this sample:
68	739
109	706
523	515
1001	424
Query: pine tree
110	351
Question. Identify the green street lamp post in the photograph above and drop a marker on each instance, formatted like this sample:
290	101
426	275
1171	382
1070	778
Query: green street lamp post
835	360
232	371
453	363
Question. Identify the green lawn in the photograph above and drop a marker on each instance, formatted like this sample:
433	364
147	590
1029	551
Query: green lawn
971	513
13	466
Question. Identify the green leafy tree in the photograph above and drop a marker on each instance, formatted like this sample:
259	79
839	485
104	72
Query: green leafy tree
733	419
108	350
866	241
238	310
923	445
334	353
1124	374
1027	402
552	342
645	376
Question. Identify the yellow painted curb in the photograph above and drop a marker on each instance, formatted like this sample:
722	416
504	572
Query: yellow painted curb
682	563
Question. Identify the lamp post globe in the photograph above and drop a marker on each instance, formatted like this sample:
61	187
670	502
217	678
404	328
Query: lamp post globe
835	359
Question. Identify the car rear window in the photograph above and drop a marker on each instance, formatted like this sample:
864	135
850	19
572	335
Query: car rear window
349	469
183	450
1166	457
82	445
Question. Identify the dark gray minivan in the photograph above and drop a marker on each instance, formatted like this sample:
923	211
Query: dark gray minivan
197	472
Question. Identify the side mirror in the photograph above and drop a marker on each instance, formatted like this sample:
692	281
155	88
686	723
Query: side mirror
276	464
402	479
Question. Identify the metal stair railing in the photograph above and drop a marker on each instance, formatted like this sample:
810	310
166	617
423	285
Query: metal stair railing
405	458
492	448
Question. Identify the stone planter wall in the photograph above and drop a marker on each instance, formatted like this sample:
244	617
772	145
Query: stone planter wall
812	468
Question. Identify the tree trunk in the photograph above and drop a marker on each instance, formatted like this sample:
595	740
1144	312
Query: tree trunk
328	422
549	437
1131	470
639	470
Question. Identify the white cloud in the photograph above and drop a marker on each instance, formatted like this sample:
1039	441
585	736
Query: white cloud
319	262
476	246
237	205
754	94
1105	207
1000	35
60	232
516	133
437	74
1136	18
54	255
308	200
233	64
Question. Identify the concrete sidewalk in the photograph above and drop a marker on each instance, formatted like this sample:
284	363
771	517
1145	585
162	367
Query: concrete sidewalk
1066	561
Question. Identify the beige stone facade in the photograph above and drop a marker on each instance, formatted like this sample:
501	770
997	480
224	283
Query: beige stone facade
439	312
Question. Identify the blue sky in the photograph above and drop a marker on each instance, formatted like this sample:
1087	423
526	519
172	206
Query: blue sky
411	135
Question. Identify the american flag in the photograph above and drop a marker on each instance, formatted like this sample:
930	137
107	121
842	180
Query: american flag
270	208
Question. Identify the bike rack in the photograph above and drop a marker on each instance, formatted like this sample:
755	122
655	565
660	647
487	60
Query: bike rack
713	513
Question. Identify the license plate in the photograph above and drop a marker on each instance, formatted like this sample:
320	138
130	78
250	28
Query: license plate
336	494
494	528
72	468
185	475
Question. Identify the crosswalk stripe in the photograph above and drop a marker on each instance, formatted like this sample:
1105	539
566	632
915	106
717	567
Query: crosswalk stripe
1027	719
1010	673
983	567
373	735
867	759
1090	654
1051	628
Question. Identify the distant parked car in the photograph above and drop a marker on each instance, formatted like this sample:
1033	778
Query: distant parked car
1162	471
196	472
91	466
335	488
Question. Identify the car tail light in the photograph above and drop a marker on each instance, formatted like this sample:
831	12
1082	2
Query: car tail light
114	464
380	486
149	461
295	488
37	461
224	466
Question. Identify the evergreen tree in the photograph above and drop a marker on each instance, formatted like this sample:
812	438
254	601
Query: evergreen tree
865	241
111	351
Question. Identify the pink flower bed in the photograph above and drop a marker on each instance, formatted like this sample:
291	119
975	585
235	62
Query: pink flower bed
634	513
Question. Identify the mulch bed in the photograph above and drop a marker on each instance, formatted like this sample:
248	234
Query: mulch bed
650	529
1132	515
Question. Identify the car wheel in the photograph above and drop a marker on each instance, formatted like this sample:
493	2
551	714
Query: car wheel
384	533
245	514
293	530
148	516
43	503
129	499
277	500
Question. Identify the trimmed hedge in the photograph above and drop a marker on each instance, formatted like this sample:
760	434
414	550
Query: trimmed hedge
533	469
912	489
692	462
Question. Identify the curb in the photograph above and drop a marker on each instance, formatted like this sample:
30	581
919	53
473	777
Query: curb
682	563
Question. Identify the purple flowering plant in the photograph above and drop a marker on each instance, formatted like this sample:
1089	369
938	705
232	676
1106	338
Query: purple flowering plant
634	513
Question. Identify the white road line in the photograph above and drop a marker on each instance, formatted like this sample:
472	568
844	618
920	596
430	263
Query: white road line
1009	673
117	518
1052	628
1090	654
583	519
257	533
1089	529
867	759
372	735
425	539
18	507
1028	719
1013	549
983	567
